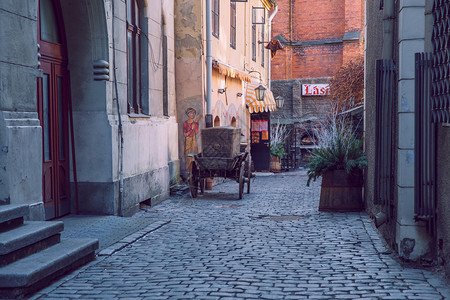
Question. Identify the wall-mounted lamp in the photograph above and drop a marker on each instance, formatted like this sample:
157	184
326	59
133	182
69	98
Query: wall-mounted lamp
221	91
260	93
279	101
239	94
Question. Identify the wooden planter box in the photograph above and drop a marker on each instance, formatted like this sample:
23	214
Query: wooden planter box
275	165
341	192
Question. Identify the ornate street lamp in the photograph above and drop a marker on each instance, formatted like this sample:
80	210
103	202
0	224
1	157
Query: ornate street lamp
279	101
260	92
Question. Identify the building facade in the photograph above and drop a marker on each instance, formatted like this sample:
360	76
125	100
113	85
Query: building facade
407	127
318	37
239	60
87	105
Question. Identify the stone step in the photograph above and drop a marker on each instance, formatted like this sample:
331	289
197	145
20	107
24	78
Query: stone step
36	271
27	239
12	215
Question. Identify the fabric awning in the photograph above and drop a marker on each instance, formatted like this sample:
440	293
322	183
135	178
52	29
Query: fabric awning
230	71
254	105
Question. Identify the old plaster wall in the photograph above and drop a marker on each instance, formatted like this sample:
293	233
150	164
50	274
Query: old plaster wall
188	66
373	49
20	170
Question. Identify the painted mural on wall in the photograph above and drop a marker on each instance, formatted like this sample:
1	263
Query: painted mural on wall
190	131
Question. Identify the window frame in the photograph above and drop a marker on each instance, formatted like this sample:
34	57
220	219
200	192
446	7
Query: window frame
233	24
133	12
215	14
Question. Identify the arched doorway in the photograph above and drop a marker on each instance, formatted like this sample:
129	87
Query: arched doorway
53	95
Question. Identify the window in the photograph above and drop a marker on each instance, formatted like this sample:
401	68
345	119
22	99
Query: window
254	42
133	53
262	45
233	25
216	121
215	18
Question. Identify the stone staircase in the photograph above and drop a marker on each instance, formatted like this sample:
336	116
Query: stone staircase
32	254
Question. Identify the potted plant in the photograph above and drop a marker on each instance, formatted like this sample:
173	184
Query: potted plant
278	135
339	159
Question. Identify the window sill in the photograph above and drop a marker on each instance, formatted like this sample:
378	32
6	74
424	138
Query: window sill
139	116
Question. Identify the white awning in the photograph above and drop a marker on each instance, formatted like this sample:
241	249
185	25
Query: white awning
255	105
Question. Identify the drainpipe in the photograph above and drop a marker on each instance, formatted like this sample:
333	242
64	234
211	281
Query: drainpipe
208	117
270	38
120	119
388	29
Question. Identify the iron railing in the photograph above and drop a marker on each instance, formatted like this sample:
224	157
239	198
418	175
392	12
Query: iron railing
385	108
425	144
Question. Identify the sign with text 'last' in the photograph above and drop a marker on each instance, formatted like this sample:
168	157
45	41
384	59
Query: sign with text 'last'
315	89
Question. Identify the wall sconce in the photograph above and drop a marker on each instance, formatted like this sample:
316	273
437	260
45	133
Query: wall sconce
239	94
221	91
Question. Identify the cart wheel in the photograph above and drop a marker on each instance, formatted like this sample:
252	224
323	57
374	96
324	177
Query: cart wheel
202	186
241	180
248	174
193	180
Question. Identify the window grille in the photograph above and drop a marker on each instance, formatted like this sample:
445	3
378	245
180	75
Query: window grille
440	97
425	144
384	159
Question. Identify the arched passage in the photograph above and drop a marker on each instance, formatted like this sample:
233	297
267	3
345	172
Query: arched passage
88	63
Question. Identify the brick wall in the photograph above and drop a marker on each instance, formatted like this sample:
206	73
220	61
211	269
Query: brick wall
321	35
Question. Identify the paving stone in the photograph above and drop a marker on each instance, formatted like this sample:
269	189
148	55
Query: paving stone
217	247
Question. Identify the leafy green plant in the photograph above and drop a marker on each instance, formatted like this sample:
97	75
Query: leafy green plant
337	149
278	150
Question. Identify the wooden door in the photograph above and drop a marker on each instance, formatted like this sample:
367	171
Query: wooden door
52	97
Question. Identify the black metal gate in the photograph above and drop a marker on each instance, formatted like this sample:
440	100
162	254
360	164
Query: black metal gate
384	159
291	160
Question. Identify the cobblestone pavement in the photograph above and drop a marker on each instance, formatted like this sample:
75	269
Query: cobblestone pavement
273	244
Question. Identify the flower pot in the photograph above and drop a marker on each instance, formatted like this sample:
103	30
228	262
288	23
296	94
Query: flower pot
341	192
275	165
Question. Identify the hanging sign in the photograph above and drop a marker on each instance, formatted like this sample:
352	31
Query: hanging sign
315	89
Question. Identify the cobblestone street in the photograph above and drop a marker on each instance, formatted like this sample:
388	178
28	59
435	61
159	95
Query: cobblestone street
273	244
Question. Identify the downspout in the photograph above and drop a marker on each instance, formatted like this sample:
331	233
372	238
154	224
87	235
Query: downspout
208	117
270	38
120	119
388	29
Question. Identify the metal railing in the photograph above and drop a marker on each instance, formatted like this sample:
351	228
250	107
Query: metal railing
385	108
425	144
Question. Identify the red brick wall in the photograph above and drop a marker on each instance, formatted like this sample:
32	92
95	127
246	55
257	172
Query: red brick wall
325	22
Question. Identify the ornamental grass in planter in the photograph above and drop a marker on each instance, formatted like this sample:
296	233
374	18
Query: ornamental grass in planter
339	159
278	135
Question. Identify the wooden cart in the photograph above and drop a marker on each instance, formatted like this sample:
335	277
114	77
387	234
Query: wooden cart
237	168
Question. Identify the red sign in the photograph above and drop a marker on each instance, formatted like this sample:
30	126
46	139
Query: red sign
315	89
